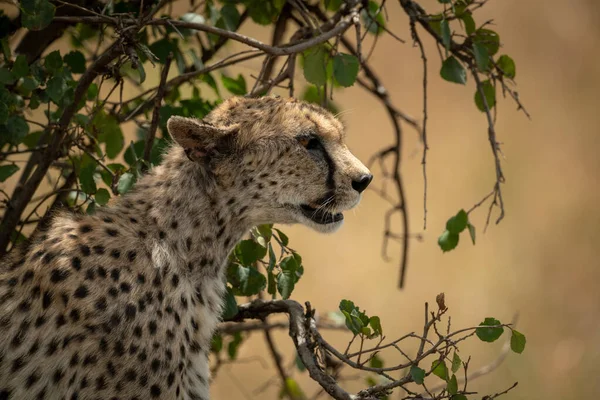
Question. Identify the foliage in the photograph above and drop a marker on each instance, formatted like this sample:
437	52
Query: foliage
66	112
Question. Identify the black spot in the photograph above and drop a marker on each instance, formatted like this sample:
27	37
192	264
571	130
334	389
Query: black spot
152	327
74	314
41	320
100	383
130	375
85	250
65	298
60	320
175	280
76	263
102	272
174	225
130	311
99	249
112	232
74	359
125	287
141	278
119	348
113	291
115	274
101	304
27	276
142	234
131	254
25	306
46	300
90	359
58	375
59	275
114	253
184	302
81	292
133	220
111	368
137	331
155	365
156	281
89	274
85	229
162	234
154	391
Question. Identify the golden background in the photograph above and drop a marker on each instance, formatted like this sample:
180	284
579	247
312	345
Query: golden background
540	261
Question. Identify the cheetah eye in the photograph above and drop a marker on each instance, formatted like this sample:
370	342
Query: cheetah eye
309	142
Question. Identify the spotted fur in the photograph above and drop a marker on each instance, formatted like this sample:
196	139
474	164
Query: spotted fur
123	304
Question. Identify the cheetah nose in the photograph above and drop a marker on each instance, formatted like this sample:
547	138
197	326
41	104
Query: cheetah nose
361	184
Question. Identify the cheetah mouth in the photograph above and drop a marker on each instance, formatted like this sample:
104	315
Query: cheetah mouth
320	216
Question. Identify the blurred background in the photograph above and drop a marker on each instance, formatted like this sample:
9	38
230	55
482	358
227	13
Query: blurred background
540	261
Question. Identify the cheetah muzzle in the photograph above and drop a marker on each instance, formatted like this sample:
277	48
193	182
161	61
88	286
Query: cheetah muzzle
124	303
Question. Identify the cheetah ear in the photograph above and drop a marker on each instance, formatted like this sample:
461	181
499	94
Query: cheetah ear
201	140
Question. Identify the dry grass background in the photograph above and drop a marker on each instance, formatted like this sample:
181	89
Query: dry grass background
541	261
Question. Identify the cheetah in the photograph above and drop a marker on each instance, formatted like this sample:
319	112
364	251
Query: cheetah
122	304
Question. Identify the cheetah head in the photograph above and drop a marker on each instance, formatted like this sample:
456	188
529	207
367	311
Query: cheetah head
288	156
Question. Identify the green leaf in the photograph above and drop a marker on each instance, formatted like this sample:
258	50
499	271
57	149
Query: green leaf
265	231
233	346
161	49
469	22
373	18
53	61
102	196
299	364
17	129
20	67
345	69
36	14
283	237
439	369
7	170
231	17
230	309
471	232
32	139
452	385
487	332
376	362
458	223
417	374
507	65
315	65
448	241
459	397
248	252
246	281
109	132
517	342
3	114
6	76
125	183
376	325
286	280
292	390
453	71
86	174
482	57
92	92
446	34
456	362
91	209
490	96
30	84
76	61
271	283
289	263
216	344
236	86
489	39
56	88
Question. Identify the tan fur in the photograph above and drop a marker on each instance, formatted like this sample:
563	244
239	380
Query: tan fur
123	304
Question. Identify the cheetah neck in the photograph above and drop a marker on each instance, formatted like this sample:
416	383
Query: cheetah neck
191	222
